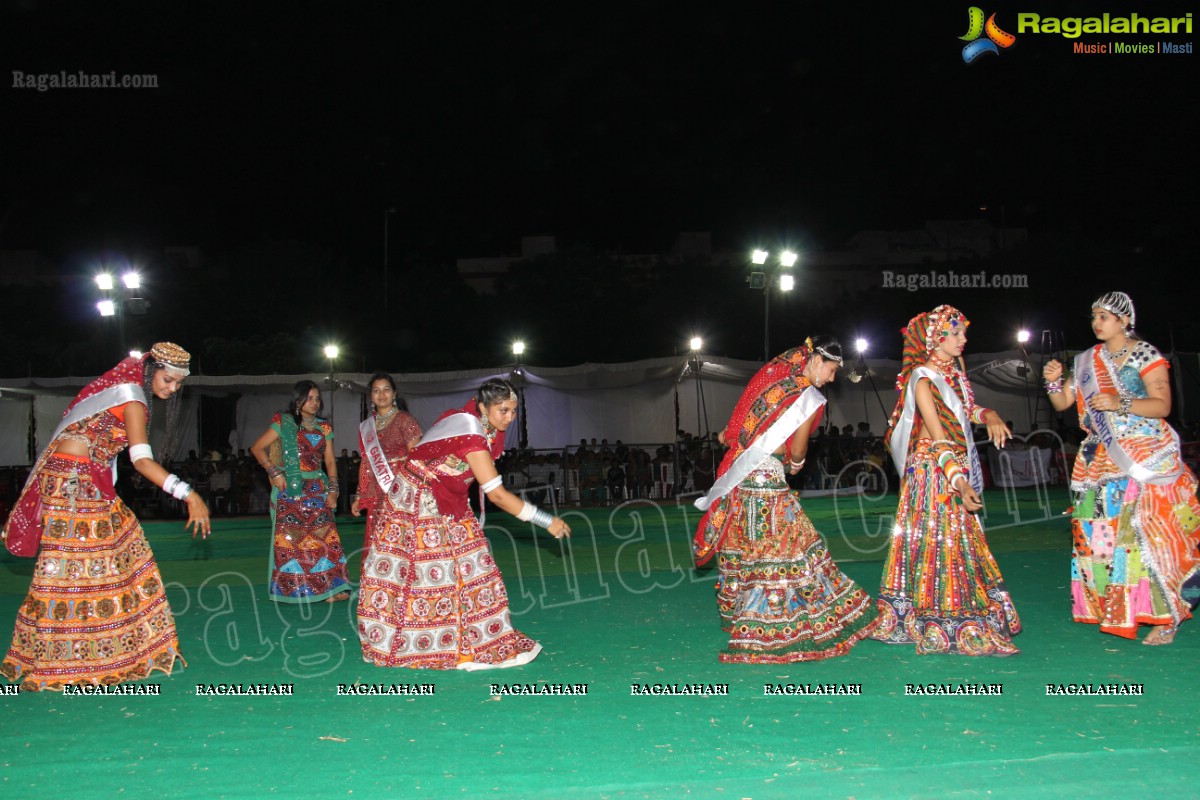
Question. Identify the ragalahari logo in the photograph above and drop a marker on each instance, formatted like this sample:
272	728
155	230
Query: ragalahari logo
976	27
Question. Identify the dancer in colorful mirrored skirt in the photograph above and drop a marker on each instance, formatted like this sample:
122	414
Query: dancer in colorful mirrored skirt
780	596
941	590
1136	522
431	595
308	564
96	612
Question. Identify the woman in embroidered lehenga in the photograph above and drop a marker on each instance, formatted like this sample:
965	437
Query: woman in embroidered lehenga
385	438
308	563
1136	515
780	596
431	595
96	612
941	588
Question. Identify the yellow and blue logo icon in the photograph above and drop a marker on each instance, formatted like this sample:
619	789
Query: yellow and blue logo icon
977	28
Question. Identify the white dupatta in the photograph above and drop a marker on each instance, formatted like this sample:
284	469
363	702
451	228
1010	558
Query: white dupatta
902	433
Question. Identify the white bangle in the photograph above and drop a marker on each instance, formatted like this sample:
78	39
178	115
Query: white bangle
170	483
527	512
543	519
181	490
494	483
139	451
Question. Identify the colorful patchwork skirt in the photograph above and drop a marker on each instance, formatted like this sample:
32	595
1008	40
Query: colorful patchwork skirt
96	612
780	596
308	563
431	597
941	587
1135	560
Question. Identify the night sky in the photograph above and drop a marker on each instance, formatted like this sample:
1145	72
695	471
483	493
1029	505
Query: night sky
613	126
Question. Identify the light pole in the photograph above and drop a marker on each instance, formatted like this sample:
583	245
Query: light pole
331	352
116	300
387	214
518	350
760	278
1030	407
697	344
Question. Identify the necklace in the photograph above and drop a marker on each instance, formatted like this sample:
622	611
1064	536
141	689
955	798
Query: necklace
949	368
945	366
381	420
1117	356
309	422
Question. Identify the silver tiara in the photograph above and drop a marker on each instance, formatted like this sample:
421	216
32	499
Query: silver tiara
1117	303
829	356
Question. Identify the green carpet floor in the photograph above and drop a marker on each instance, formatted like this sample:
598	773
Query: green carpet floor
620	605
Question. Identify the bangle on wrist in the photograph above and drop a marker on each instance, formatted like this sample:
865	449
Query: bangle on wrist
1054	387
1126	403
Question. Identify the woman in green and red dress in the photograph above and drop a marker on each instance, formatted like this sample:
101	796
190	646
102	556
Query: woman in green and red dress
308	564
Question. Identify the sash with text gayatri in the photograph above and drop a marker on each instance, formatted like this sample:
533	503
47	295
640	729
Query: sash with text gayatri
373	452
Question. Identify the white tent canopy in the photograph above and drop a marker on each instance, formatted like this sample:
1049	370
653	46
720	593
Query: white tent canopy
634	402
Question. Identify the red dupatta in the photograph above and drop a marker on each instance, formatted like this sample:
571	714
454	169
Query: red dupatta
23	531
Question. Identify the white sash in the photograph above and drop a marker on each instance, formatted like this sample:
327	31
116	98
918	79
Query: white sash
373	453
1089	386
111	397
904	426
460	424
764	446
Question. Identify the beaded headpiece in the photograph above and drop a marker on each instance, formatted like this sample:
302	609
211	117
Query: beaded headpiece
1117	303
171	357
922	336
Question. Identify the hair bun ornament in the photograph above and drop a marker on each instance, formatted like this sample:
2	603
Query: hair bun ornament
808	343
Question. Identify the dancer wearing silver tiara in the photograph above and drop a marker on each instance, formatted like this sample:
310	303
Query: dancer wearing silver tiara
1136	516
781	597
431	596
96	612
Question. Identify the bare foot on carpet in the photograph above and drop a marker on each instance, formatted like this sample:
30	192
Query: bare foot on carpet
1162	634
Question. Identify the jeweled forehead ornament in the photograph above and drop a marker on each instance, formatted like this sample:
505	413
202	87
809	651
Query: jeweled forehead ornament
942	322
172	357
1117	303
